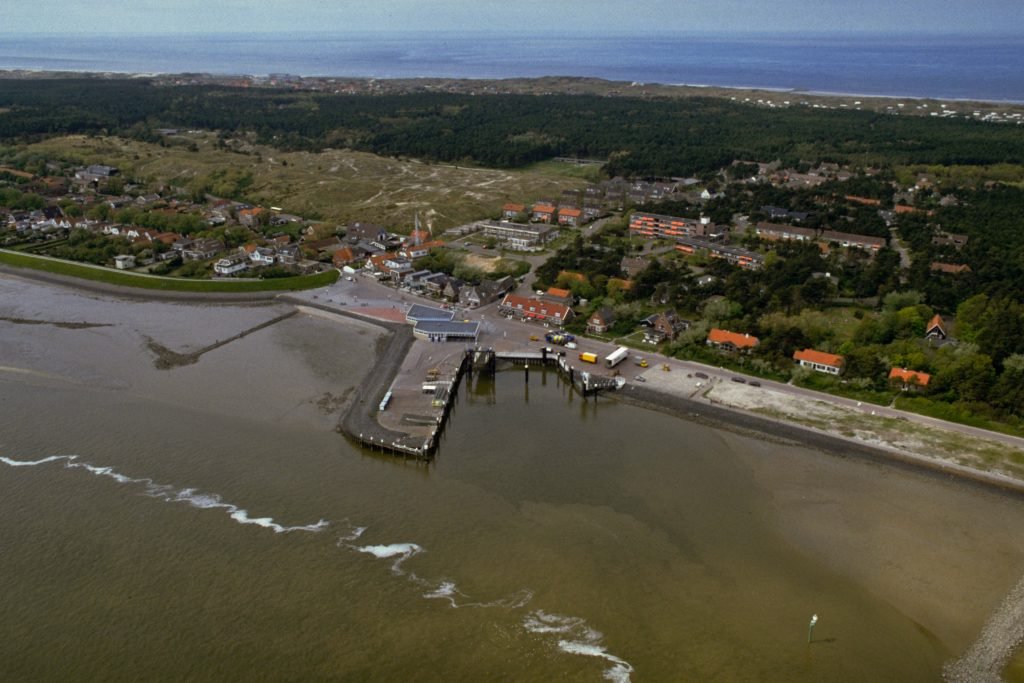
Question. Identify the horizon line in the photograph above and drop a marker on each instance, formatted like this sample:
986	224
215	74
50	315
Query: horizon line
760	33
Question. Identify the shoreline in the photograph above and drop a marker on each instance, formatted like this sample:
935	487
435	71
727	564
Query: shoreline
105	289
679	88
393	352
744	422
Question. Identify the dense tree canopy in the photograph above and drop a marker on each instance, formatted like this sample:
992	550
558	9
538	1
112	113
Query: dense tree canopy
659	137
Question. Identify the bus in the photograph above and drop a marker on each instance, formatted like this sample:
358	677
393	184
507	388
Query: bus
617	356
588	357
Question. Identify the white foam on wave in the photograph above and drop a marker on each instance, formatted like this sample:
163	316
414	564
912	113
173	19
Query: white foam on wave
109	472
401	551
33	463
543	622
167	493
383	552
357	531
446	590
619	673
203	501
579	639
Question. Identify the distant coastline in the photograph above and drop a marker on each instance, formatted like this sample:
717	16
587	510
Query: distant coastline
575	85
951	68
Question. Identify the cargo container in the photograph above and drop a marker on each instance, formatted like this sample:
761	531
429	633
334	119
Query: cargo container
588	357
617	356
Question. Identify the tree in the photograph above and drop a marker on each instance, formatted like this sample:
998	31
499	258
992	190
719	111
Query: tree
816	291
720	310
864	362
966	375
1008	392
970	317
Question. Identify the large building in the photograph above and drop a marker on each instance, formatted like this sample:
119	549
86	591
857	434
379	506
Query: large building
518	235
655	225
530	308
775	232
846	239
744	258
437	325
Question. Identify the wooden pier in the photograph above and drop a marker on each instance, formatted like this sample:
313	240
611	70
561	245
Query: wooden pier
584	381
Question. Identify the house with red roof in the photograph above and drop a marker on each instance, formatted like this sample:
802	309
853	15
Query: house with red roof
909	380
531	308
375	264
569	216
343	257
558	296
936	328
545	213
250	218
725	340
511	210
415	251
819	361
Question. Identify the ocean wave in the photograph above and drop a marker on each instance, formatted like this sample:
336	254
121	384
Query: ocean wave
580	639
403	551
574	635
443	589
170	494
34	463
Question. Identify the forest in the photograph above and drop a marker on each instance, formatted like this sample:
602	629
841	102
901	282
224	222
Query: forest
638	138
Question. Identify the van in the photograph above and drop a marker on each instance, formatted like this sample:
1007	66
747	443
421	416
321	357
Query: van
570	345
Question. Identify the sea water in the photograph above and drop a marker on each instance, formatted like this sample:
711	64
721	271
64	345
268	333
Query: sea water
940	66
207	523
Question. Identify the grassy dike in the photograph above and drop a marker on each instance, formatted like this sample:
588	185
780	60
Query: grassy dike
166	284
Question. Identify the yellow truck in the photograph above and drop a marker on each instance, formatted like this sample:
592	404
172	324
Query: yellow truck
588	357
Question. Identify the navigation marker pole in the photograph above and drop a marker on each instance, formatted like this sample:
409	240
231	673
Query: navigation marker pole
810	628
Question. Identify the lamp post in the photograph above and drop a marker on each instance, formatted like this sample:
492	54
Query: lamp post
810	628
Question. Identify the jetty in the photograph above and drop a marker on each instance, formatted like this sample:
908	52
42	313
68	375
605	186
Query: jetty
403	406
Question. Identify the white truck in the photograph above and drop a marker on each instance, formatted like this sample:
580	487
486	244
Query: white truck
617	356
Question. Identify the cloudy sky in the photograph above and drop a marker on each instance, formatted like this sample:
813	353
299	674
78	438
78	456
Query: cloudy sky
527	17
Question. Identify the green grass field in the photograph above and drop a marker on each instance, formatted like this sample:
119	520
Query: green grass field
167	284
338	186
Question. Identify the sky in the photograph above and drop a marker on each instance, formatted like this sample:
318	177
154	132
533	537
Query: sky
511	17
